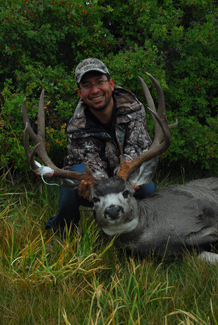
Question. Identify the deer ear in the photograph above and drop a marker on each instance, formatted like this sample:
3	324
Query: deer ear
71	184
144	173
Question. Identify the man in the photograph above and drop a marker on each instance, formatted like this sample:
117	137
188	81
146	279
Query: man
108	121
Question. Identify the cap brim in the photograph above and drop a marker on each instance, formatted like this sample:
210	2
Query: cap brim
95	69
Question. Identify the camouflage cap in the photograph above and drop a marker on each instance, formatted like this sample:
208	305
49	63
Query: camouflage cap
87	65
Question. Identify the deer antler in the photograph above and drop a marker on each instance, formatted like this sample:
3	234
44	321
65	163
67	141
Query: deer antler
161	130
39	147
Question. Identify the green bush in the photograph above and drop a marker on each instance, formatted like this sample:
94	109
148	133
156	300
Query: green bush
42	42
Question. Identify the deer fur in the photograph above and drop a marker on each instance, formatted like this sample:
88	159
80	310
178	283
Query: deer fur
172	221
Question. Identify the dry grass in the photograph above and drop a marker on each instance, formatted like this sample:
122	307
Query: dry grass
85	279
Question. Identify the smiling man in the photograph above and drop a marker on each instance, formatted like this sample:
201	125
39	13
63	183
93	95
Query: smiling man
108	122
96	92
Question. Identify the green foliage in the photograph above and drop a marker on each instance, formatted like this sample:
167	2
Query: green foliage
42	42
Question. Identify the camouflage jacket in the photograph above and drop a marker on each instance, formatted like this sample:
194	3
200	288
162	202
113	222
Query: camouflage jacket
90	143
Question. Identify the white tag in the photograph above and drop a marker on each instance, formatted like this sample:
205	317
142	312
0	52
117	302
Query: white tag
43	170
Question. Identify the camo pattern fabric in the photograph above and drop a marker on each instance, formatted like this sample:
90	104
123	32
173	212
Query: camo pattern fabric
90	64
97	147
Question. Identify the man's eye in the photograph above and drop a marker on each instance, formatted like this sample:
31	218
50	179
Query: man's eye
100	82
87	86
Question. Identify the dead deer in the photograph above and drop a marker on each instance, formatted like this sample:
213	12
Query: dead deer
172	221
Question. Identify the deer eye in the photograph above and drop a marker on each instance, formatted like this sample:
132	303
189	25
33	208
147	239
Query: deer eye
125	194
95	199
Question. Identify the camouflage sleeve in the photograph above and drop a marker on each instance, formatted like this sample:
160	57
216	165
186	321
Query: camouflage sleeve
137	140
83	150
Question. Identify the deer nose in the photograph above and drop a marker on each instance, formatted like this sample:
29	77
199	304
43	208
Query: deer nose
112	212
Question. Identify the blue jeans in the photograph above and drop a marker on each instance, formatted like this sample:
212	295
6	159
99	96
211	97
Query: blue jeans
70	201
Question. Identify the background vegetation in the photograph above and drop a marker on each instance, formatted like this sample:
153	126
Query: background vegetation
41	42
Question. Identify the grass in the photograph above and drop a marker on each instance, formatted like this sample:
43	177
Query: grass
85	279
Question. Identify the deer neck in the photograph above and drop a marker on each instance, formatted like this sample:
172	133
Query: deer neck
116	229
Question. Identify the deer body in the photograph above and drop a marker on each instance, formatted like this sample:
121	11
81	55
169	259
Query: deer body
173	219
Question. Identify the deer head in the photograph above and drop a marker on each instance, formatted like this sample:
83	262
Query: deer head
115	207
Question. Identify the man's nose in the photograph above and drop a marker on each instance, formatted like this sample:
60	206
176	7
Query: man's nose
94	89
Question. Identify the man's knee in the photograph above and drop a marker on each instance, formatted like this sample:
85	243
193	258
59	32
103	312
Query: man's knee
145	190
80	168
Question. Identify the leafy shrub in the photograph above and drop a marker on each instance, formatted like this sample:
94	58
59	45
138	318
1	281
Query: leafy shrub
42	42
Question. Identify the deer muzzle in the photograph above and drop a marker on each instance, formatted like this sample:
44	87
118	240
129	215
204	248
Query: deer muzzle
113	212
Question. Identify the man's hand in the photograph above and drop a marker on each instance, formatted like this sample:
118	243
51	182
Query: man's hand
84	190
134	187
137	187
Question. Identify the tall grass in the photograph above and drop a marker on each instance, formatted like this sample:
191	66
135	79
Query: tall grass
85	278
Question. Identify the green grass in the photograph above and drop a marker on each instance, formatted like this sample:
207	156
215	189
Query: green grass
85	279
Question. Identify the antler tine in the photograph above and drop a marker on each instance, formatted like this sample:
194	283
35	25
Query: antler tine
151	106
147	93
161	100
29	130
41	118
39	147
26	142
38	140
28	152
161	130
27	124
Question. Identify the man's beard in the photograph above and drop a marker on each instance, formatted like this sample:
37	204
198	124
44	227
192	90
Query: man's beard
100	108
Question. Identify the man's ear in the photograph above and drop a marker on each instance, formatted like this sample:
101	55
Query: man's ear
78	92
111	82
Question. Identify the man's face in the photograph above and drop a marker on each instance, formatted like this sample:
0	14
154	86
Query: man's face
100	95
